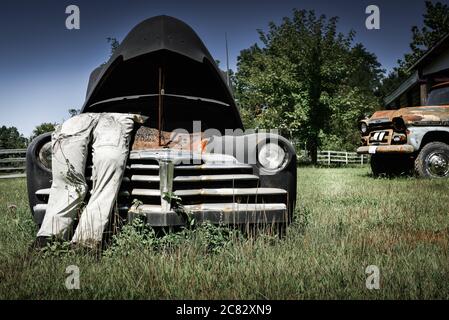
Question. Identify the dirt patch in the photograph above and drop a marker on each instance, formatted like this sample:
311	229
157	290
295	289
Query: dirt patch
387	239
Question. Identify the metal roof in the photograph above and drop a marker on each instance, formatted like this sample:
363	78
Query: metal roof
414	78
406	85
440	45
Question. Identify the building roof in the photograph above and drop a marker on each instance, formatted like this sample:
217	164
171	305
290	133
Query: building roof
406	85
437	49
432	52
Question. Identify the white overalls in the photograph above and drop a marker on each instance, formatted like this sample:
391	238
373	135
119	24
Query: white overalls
109	134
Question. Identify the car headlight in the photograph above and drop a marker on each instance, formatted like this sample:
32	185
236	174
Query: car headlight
45	154
399	124
399	138
272	156
363	128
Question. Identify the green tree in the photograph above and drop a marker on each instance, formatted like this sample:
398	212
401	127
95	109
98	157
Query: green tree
114	43
73	112
43	128
356	97
10	138
299	80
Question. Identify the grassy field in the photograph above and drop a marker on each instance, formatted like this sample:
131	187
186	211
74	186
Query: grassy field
346	221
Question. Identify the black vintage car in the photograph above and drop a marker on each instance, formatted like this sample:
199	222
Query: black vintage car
163	70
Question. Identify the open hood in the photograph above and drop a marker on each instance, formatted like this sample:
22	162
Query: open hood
161	43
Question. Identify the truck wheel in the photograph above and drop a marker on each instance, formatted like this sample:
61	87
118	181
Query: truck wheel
433	161
378	165
390	165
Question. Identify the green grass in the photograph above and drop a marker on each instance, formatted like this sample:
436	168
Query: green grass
347	220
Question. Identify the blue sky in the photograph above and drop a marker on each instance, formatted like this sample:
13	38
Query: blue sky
44	67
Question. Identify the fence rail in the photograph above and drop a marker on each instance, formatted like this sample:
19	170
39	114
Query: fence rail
329	157
12	163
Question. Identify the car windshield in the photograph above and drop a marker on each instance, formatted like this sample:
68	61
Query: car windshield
439	97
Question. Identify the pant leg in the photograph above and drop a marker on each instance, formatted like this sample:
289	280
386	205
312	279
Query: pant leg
110	146
70	143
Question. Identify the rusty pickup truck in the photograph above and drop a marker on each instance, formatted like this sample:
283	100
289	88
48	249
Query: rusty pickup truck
412	139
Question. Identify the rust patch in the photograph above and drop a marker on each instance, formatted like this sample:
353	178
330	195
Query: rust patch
414	114
383	114
418	114
148	138
411	117
395	149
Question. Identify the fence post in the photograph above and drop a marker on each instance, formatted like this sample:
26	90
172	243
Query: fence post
347	160
328	158
361	157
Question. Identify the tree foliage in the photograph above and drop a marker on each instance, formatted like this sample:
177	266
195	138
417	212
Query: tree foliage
73	112
307	80
114	43
43	128
10	138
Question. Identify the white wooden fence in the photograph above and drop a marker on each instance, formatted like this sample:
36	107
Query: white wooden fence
329	157
12	163
341	157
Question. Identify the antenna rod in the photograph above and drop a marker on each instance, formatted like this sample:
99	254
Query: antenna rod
227	59
160	103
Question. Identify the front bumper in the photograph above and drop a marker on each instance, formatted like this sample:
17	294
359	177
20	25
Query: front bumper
389	149
215	213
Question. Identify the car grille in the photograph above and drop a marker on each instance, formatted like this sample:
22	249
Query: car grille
382	137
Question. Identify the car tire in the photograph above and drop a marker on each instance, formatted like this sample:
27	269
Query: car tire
433	161
377	165
390	165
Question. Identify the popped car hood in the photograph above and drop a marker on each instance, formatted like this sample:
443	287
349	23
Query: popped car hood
425	115
157	42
